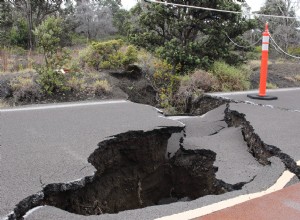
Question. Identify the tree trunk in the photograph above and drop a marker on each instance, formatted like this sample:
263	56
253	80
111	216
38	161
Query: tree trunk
30	26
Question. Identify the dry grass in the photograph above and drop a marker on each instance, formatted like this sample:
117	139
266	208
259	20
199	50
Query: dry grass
102	87
254	64
3	104
18	60
290	78
297	77
271	86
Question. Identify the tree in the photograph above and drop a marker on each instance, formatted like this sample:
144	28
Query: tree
121	21
48	35
187	37
6	21
94	20
283	30
35	11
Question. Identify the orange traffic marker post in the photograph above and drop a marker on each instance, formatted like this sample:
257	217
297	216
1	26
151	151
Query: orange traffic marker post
264	68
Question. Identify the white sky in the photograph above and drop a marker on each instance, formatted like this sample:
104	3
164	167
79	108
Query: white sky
254	4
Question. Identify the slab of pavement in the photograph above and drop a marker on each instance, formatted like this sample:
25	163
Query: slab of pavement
51	143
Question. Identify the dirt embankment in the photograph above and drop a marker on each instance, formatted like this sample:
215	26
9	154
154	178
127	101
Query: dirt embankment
128	84
280	74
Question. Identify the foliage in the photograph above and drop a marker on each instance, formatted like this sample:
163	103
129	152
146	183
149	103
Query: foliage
6	22
18	35
47	34
193	86
188	38
271	86
294	51
109	55
146	61
75	84
284	31
34	12
101	87
51	80
25	89
94	20
121	21
165	83
231	78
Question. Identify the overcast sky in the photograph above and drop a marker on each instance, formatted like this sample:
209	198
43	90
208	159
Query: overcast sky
254	4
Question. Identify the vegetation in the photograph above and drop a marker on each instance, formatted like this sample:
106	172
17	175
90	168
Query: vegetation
181	52
189	38
112	54
50	77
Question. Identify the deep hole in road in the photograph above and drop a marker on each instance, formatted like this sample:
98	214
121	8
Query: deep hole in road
135	170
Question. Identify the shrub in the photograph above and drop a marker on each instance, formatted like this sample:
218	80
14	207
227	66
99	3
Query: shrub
108	55
75	84
25	89
294	51
101	87
19	33
51	81
165	83
131	56
192	86
271	86
48	36
231	78
146	61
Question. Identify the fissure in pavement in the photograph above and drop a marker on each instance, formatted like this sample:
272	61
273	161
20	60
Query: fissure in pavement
260	150
135	171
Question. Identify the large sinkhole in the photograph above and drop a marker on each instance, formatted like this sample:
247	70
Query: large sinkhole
135	170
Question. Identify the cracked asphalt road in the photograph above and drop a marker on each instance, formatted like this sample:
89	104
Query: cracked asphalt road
42	145
51	145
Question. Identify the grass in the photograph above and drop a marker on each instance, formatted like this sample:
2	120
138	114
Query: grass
3	104
231	78
272	86
102	87
297	77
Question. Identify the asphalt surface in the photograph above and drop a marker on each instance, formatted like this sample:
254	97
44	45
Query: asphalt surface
287	98
51	144
234	162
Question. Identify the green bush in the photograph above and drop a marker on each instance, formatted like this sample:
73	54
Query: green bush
294	51
165	83
231	78
51	80
18	35
108	55
48	36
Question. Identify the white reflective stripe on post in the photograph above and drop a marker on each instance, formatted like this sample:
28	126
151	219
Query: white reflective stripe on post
266	39
265	47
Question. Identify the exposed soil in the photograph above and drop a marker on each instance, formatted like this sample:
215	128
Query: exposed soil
125	84
131	84
283	75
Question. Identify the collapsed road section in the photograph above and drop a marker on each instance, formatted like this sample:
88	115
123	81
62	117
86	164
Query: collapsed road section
136	171
133	171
